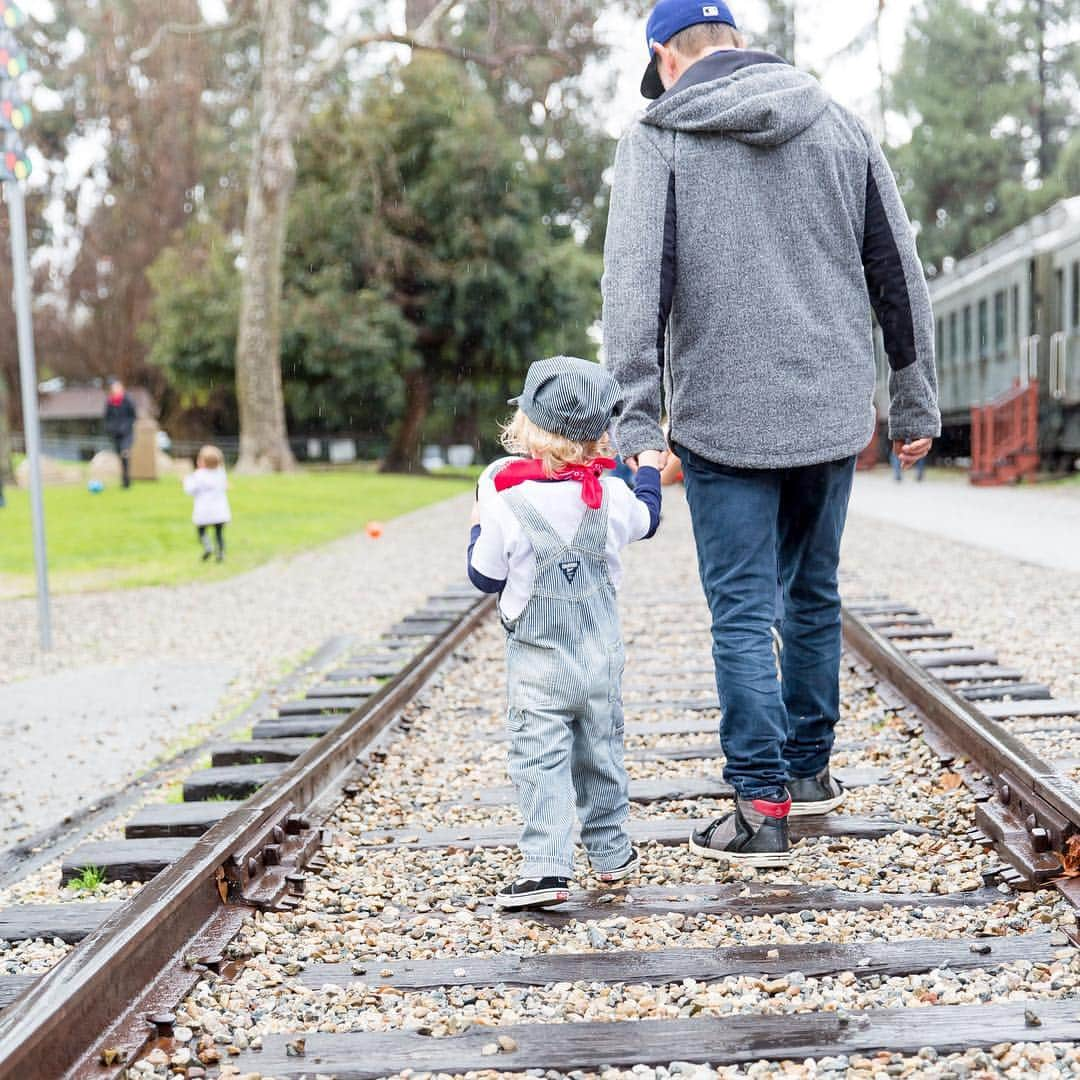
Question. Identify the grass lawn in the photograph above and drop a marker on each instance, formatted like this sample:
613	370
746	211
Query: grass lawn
144	536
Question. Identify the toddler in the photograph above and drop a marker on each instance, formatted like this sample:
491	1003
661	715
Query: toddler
548	529
208	486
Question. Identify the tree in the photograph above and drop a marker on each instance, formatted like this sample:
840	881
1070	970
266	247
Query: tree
780	33
191	332
5	433
456	236
418	269
1045	44
962	173
283	106
152	111
264	442
989	92
526	47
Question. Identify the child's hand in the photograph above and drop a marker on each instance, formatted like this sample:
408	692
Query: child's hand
653	459
474	518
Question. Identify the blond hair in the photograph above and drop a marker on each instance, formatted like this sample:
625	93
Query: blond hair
521	436
694	40
210	457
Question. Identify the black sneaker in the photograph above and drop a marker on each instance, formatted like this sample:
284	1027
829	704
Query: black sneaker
534	892
206	555
755	834
815	794
620	873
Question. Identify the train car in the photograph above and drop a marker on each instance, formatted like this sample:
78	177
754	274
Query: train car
1008	317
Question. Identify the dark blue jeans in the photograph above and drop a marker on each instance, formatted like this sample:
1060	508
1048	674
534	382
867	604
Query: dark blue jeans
748	524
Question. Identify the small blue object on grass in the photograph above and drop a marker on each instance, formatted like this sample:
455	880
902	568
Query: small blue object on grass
95	487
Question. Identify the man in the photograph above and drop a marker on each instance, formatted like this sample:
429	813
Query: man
120	426
754	225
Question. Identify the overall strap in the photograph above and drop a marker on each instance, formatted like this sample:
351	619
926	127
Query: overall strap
546	542
592	533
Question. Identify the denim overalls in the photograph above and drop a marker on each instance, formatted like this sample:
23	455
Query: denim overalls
564	662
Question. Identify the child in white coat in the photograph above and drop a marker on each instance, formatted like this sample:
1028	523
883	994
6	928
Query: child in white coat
208	486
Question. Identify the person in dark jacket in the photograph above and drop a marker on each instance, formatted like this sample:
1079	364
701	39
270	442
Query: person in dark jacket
755	225
120	426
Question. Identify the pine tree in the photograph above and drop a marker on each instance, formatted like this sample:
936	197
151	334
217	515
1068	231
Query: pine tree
962	173
1046	47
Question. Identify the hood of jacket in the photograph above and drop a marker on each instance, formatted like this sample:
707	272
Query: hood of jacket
751	96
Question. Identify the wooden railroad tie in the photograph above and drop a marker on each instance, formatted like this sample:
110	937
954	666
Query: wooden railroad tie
723	1040
735	901
322	706
68	922
665	966
1003	710
148	852
666	831
668	789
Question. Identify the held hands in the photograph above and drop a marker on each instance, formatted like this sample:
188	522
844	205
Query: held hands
911	452
655	459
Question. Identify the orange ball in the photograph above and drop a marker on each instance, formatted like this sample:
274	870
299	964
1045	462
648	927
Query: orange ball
374	529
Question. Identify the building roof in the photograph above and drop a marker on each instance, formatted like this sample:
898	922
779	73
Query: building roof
88	403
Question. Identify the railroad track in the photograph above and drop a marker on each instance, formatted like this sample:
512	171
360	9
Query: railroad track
339	921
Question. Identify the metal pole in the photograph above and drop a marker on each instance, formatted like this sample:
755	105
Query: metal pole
28	379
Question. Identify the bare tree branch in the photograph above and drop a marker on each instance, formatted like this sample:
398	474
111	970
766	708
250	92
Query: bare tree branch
422	41
426	30
183	30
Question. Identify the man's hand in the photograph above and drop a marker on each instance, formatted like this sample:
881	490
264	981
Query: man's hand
474	518
655	459
911	452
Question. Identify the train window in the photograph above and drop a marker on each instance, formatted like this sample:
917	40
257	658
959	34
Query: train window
984	326
999	319
967	332
1076	295
1016	312
940	340
953	349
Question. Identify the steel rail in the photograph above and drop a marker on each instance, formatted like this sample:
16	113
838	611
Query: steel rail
135	964
1034	810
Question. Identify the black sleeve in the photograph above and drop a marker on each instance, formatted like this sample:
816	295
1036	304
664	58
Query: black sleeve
885	280
667	272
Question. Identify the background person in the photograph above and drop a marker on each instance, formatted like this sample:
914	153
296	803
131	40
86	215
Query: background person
753	224
120	426
208	485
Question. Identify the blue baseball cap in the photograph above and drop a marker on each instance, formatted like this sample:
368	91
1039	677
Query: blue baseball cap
668	18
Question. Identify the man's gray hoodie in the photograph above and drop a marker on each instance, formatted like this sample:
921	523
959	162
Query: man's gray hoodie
754	222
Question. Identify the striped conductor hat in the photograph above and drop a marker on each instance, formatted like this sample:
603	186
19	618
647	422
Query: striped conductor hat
570	397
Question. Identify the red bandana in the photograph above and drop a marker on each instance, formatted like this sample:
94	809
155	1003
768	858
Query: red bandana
588	475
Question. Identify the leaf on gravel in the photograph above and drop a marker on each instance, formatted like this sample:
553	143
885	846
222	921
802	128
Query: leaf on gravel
1070	857
949	781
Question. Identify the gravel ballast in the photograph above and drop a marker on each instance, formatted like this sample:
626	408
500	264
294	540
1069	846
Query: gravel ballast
376	905
137	673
